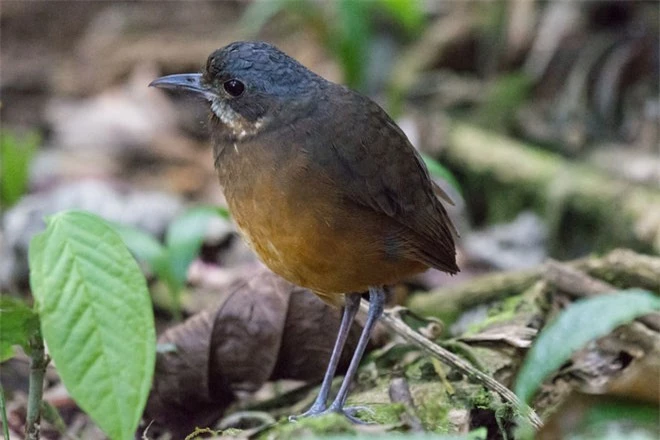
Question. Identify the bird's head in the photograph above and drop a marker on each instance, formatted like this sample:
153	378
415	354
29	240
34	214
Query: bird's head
248	86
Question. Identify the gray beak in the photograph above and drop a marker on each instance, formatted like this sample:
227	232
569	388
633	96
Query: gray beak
191	82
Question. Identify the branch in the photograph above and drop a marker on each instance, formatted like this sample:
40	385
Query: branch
622	267
394	323
610	208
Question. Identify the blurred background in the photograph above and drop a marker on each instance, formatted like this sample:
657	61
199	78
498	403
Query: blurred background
546	113
539	118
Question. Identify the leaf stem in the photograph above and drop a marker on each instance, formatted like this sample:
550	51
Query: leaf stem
38	363
175	298
3	410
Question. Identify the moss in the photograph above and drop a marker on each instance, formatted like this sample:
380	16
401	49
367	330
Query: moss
379	407
433	404
472	395
515	309
421	370
505	311
482	399
308	427
383	414
584	207
378	394
232	432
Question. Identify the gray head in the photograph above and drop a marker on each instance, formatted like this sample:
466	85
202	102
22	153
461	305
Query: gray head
247	84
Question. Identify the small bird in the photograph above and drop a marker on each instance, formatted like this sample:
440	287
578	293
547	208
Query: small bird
322	184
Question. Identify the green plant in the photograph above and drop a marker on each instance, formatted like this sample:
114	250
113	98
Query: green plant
170	261
15	157
345	27
576	326
19	325
93	309
506	95
436	169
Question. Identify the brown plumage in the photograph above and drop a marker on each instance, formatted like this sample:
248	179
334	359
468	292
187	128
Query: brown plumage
336	200
324	186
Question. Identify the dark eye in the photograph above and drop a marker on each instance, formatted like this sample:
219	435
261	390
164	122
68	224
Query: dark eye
234	87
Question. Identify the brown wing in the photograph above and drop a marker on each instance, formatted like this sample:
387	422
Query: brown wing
379	168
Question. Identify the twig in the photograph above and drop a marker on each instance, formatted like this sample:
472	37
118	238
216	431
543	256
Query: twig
144	433
38	363
453	299
394	323
624	268
573	281
3	410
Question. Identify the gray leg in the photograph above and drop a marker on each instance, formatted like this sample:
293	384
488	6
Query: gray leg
376	305
351	306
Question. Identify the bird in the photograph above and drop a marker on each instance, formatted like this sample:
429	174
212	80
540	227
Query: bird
322	184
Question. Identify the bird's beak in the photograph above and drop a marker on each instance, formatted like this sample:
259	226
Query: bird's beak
191	82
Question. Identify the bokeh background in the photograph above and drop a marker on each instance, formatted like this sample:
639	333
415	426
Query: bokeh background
539	118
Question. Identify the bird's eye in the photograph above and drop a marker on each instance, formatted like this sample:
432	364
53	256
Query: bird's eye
234	87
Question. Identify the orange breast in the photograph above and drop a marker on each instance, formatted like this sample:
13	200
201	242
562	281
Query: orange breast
305	232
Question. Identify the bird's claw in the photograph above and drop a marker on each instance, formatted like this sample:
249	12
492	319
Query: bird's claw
314	411
348	412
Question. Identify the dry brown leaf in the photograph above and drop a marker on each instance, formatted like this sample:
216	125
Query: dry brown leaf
266	329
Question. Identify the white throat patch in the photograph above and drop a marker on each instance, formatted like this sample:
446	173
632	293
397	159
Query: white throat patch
237	124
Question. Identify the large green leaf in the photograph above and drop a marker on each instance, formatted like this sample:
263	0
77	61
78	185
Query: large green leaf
18	323
96	318
580	323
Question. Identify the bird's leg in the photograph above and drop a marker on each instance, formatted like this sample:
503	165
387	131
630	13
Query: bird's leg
351	306
376	305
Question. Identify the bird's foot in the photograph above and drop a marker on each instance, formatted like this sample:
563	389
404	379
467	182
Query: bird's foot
315	410
348	412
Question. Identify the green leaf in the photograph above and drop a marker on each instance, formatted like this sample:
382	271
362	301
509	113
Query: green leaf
439	171
18	322
149	251
96	317
407	12
142	245
580	323
351	38
146	249
609	416
607	410
185	237
15	157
